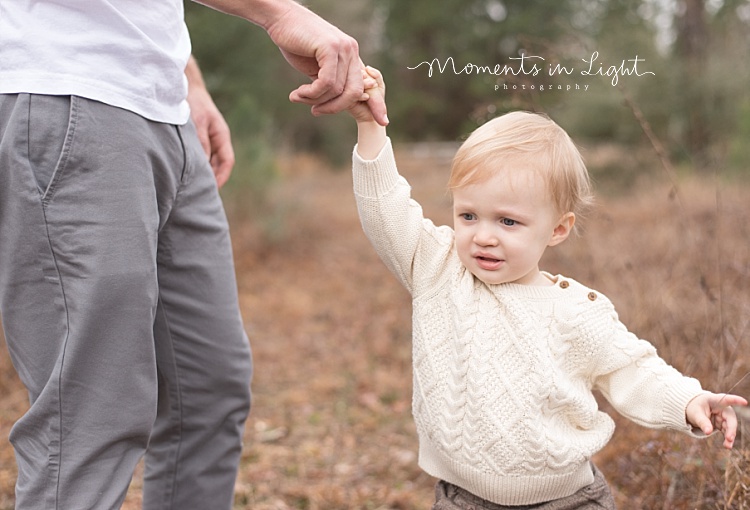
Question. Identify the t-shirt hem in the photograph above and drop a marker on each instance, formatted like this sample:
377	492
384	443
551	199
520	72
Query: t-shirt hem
177	113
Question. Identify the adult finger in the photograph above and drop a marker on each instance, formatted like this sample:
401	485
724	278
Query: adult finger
222	163
201	129
351	94
349	86
331	77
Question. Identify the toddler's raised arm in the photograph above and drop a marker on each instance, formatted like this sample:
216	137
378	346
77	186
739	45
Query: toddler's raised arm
371	135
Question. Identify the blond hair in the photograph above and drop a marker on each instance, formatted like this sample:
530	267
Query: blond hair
530	135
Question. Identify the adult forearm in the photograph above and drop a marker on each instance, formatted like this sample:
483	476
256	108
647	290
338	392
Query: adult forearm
260	12
313	46
193	74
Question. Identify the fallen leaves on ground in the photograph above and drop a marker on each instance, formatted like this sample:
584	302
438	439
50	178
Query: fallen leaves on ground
331	424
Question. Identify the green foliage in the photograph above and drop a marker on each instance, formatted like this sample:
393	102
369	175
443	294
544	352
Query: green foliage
480	32
232	55
695	101
739	148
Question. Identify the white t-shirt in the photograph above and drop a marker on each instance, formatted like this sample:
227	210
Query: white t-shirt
126	53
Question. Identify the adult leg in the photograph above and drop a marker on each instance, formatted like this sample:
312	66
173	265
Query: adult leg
203	353
79	290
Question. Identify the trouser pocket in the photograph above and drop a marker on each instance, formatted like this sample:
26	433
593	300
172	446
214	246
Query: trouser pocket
50	133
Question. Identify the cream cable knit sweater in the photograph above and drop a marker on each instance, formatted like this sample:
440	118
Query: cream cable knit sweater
503	373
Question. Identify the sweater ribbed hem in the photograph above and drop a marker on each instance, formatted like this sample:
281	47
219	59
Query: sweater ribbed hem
504	490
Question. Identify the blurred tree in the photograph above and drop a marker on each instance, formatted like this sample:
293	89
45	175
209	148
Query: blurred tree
728	64
239	65
695	102
691	46
480	32
710	74
619	29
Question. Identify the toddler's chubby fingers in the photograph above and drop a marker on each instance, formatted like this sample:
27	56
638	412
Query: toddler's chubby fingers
370	83
376	75
724	416
374	94
728	427
377	101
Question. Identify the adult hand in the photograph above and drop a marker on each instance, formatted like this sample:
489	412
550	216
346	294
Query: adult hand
710	412
213	131
328	56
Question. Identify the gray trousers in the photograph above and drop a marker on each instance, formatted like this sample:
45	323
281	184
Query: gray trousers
120	310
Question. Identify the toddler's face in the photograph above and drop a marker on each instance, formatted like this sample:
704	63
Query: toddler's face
504	224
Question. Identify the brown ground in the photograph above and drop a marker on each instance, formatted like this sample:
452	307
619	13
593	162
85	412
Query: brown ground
331	425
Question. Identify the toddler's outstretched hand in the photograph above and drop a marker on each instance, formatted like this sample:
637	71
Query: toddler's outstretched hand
374	95
711	411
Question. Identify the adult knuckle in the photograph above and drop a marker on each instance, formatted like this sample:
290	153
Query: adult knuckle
353	45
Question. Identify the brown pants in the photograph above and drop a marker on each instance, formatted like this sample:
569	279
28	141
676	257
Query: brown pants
594	496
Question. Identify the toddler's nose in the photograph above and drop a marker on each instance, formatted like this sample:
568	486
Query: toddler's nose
485	236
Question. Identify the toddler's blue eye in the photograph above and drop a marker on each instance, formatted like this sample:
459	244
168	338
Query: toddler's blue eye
467	216
508	222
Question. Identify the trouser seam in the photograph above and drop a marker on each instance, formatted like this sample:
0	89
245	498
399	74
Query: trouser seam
171	494
62	357
42	204
67	148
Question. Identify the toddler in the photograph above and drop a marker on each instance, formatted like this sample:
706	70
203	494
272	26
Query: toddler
505	355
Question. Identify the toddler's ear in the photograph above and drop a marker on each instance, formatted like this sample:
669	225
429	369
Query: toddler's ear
563	229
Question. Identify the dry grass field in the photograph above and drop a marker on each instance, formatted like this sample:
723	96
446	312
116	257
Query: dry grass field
330	328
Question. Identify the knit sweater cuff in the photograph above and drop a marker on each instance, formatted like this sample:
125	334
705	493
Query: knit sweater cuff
675	403
373	178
